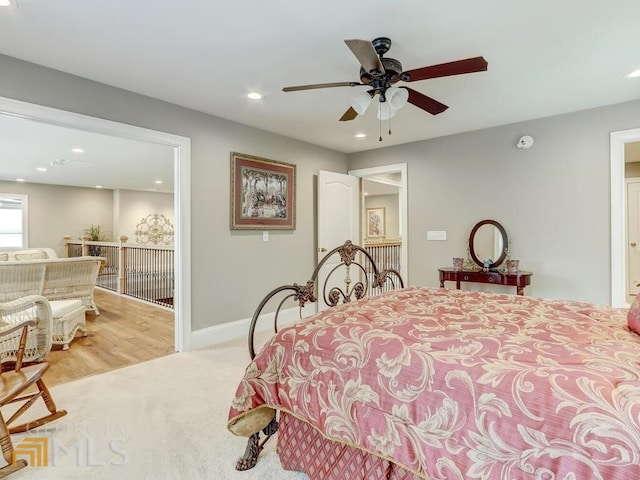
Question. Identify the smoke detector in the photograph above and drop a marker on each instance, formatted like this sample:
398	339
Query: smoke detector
525	142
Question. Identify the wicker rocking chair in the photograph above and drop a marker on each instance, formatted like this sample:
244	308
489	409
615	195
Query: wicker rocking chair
22	384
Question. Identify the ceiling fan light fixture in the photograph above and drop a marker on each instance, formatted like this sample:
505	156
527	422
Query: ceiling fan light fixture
386	111
361	102
397	97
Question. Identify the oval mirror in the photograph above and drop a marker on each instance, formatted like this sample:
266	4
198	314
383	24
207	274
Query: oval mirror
488	244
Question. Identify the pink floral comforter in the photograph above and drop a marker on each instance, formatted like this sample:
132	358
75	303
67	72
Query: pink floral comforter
463	385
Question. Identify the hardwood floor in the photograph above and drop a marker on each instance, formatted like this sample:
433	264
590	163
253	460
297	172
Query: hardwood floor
126	332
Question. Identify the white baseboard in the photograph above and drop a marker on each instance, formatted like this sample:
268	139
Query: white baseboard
207	337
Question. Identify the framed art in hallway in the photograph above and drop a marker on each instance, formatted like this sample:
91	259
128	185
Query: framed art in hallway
375	222
263	193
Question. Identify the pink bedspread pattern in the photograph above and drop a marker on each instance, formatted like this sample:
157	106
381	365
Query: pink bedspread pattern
462	385
303	448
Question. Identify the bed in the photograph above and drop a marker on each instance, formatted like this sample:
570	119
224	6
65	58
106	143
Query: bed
431	383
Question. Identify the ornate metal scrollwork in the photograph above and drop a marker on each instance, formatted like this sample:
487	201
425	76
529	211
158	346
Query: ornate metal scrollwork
306	293
348	252
156	229
359	290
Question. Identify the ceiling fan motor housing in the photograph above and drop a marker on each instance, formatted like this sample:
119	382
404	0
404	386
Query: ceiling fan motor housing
381	44
391	75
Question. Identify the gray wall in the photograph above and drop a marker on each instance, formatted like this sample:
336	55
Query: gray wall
131	207
553	199
56	211
231	271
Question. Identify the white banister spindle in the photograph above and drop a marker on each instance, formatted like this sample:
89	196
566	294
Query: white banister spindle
386	255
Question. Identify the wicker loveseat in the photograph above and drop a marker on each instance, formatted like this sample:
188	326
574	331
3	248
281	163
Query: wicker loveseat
67	284
53	278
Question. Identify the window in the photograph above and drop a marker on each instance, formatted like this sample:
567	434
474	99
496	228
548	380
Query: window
13	220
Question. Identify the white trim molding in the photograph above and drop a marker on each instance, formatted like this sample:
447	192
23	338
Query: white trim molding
216	334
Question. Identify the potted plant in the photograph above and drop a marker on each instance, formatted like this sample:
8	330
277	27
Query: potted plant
95	234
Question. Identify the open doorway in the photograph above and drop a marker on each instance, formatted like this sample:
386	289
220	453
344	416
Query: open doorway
619	224
181	166
632	238
389	184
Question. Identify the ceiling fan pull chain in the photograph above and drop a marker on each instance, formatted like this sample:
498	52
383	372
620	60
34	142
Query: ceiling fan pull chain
380	138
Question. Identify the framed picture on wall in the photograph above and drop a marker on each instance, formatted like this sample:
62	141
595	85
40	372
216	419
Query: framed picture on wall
263	193
375	222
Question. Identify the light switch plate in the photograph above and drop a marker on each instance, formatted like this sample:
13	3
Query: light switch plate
265	236
436	235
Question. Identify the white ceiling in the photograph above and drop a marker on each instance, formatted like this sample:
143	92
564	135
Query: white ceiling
108	162
545	58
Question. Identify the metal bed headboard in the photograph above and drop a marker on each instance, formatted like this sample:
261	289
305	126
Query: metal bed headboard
361	276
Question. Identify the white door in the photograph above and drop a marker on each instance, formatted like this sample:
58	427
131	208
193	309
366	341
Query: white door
338	218
633	238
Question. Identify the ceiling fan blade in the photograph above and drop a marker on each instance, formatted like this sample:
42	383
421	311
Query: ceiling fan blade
469	65
366	55
427	104
350	114
321	85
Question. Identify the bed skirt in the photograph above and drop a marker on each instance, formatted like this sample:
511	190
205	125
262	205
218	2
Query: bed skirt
302	448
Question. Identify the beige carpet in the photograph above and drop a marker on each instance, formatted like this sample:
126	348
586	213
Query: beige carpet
162	419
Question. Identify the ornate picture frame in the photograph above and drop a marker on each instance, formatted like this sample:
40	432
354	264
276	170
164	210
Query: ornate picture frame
376	222
263	193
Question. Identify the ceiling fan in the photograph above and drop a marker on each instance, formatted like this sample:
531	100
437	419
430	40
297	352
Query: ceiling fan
382	73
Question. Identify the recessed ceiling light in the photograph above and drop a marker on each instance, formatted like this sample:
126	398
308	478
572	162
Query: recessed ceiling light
8	3
41	169
99	186
19	179
77	150
365	193
158	182
254	96
360	135
634	74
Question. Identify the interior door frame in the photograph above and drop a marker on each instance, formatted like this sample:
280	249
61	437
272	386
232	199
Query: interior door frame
618	213
627	241
181	181
402	200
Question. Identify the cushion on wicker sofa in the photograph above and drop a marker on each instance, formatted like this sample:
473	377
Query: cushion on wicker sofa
40	253
68	319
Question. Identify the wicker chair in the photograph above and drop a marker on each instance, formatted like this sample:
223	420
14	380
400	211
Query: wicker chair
22	319
39	334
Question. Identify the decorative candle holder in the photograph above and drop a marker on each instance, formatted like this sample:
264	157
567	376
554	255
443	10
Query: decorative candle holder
458	263
513	266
